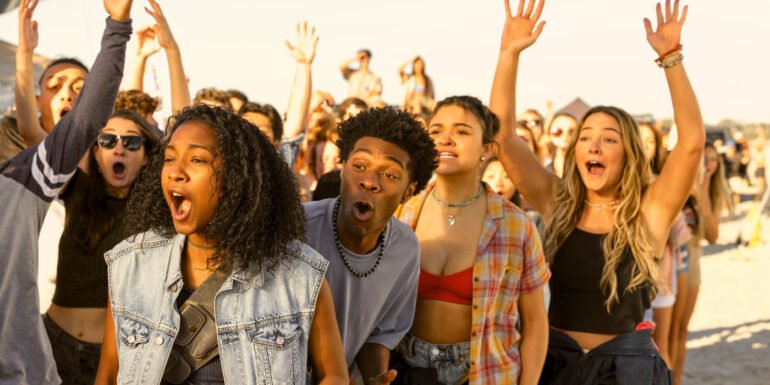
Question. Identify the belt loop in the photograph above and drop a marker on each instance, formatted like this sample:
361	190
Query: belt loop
410	344
456	354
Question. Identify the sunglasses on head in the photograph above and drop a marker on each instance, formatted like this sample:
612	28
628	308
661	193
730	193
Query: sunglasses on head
130	142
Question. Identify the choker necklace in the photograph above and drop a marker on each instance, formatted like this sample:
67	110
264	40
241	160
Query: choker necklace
202	247
380	241
601	206
458	206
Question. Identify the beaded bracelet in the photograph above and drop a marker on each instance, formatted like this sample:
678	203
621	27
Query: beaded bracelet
670	52
670	63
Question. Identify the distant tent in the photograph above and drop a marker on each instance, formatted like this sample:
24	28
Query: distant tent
576	108
7	5
8	72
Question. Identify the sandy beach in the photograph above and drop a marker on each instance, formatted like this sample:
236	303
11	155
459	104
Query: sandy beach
730	329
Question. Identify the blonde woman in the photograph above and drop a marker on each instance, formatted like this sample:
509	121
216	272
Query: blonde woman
606	220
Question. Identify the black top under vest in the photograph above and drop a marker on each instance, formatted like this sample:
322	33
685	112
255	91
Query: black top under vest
211	372
577	300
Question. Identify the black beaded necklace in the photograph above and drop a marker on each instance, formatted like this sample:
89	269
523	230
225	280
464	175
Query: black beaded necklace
380	241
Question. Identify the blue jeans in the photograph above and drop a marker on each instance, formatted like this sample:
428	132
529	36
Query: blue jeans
452	361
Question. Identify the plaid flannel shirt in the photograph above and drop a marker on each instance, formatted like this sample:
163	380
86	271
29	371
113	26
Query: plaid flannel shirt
509	261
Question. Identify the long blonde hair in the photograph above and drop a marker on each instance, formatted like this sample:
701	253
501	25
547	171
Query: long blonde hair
628	231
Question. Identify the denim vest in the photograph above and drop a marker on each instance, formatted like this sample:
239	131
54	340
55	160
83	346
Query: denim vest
263	319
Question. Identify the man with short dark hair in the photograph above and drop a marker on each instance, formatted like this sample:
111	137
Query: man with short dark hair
362	82
374	258
60	84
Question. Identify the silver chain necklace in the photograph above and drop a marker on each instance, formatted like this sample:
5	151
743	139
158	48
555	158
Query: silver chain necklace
458	206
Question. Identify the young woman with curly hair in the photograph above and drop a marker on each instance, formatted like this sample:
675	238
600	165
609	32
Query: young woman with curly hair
226	209
607	221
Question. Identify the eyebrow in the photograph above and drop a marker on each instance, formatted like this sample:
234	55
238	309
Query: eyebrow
132	131
389	157
49	78
453	125
207	148
603	129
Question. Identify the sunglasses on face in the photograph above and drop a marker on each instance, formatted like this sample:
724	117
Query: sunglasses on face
130	142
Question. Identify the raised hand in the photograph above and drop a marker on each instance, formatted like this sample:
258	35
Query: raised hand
146	44
521	30
666	37
118	9
28	36
161	28
303	49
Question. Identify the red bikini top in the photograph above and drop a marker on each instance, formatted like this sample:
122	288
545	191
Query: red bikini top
455	288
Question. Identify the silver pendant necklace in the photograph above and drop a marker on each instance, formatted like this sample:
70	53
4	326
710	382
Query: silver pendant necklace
458	206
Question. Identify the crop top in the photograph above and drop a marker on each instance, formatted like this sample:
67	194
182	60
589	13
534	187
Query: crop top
577	300
81	275
454	288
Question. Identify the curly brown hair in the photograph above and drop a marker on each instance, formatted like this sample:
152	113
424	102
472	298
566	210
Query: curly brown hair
259	212
138	101
214	95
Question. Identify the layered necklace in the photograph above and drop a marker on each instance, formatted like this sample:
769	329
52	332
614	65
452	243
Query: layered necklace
380	241
602	206
452	210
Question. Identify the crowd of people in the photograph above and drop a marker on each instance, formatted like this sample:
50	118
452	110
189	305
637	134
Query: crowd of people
430	242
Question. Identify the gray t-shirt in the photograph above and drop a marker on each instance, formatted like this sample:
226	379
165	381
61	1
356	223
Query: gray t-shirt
376	309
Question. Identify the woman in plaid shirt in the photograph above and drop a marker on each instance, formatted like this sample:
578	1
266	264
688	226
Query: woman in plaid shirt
480	313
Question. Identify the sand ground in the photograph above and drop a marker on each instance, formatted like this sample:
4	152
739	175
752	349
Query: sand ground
730	329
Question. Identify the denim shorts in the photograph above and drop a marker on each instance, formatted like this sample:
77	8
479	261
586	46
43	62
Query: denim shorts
452	361
76	361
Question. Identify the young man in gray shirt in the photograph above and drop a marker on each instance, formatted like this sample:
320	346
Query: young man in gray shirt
374	259
28	183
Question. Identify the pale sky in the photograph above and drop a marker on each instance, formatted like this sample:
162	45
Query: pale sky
595	49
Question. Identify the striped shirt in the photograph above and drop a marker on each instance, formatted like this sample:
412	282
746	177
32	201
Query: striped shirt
509	261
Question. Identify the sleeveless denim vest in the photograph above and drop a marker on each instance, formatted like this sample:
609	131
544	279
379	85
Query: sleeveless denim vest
263	319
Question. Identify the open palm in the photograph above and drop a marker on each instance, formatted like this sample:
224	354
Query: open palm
303	49
521	30
668	33
28	36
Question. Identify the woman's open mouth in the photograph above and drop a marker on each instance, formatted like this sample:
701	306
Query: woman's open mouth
119	170
595	168
180	206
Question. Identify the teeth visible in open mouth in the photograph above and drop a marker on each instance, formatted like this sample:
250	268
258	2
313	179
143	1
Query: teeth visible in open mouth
446	155
593	164
177	199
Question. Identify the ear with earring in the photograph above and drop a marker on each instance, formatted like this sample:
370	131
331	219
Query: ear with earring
483	158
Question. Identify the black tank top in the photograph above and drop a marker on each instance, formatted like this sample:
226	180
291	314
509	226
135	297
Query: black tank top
577	300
